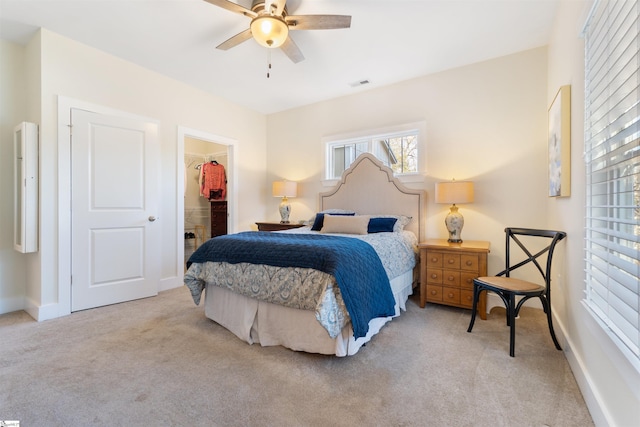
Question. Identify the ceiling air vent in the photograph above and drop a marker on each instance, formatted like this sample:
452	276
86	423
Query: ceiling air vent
360	83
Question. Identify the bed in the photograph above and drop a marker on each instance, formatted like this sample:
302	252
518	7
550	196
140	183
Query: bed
322	304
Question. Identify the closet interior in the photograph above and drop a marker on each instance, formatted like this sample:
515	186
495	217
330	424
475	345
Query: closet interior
205	197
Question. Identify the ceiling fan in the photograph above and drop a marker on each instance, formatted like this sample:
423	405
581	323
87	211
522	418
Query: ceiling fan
271	22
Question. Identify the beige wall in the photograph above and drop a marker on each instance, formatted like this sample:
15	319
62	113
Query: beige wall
12	111
485	122
57	66
610	384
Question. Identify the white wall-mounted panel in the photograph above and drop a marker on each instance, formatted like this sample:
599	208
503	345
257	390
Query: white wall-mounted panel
25	201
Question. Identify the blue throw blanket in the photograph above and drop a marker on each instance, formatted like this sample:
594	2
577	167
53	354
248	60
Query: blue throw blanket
358	271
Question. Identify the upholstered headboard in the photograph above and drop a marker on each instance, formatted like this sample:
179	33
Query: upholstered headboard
369	188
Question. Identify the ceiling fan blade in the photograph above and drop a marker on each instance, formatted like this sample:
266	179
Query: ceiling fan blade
291	49
318	22
280	6
235	40
233	7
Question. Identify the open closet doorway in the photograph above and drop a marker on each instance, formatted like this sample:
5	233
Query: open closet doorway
207	205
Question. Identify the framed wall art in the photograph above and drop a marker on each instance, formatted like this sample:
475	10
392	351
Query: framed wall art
559	140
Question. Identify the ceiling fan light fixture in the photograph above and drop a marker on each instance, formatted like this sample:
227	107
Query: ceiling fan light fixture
269	31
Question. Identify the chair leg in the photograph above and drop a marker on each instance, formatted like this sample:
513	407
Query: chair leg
476	297
547	308
511	320
508	305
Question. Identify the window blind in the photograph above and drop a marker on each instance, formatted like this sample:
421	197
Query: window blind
612	156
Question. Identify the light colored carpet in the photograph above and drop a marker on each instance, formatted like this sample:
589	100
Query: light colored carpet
160	361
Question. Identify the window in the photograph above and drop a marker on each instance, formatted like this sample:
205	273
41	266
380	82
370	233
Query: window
612	156
397	150
342	154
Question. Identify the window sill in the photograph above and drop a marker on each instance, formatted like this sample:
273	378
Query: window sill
330	182
633	360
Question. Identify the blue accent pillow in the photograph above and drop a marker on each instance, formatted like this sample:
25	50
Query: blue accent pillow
319	221
381	225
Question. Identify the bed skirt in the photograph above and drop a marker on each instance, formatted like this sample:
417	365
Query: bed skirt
269	324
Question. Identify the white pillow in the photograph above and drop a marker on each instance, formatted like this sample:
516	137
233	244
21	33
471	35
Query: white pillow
345	224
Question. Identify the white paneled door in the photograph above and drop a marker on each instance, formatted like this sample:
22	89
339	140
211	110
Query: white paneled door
115	230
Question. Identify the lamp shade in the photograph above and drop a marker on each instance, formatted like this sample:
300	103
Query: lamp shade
452	192
285	189
269	31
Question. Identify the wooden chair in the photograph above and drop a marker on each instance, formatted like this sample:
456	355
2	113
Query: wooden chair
509	288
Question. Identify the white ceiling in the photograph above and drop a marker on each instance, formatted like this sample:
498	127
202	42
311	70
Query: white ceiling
389	41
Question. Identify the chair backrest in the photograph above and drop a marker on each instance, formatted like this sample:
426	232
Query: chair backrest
512	234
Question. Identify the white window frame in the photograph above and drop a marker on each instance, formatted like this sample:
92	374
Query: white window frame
612	125
369	137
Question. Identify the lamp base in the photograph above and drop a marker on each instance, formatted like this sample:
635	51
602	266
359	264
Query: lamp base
285	210
454	222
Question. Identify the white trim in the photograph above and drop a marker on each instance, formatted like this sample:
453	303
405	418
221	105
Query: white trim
420	126
42	312
10	304
592	398
171	282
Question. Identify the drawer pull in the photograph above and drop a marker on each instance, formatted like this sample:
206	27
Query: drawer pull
434	276
450	295
434	259
433	292
469	263
451	261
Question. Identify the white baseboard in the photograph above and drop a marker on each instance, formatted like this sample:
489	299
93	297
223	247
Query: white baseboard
580	373
43	312
170	283
8	305
585	385
52	311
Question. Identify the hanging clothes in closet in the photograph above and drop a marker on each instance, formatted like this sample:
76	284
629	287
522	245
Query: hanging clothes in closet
213	181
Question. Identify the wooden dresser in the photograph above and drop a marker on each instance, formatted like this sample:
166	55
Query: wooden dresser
447	271
276	226
218	218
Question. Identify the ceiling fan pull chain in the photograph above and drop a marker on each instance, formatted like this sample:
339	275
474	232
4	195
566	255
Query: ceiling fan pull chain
268	62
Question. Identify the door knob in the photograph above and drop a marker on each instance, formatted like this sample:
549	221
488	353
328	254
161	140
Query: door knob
152	218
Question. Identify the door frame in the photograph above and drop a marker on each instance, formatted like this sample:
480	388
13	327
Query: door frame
65	105
232	188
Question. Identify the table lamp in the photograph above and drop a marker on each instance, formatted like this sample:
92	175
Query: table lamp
454	192
284	189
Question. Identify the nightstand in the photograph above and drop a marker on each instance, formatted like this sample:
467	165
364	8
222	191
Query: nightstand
277	226
447	271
